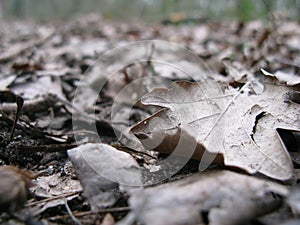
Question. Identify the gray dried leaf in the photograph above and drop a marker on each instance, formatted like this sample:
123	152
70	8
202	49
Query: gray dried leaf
5	81
51	187
35	88
102	170
211	197
241	126
235	69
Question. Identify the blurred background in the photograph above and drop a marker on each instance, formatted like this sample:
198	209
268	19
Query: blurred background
148	10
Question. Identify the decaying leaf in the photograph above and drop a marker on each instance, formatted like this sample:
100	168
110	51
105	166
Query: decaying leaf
14	188
285	77
96	71
44	34
102	171
235	69
33	89
239	125
53	186
211	197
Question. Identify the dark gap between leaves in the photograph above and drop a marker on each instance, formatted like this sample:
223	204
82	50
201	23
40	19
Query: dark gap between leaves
291	139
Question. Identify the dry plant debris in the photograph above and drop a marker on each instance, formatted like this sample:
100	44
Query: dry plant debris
240	113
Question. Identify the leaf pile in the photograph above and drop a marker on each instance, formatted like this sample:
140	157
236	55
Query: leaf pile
232	105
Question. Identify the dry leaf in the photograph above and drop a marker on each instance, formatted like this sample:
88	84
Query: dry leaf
5	81
102	170
51	187
289	78
14	50
14	188
35	88
235	69
211	197
241	126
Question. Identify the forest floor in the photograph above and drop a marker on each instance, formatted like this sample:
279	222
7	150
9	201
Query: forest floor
186	121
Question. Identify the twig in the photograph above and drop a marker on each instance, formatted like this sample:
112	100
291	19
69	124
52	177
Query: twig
127	149
19	102
36	105
73	218
9	97
28	128
47	148
80	214
149	60
53	198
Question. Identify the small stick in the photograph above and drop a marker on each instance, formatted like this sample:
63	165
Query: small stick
20	102
65	195
80	214
74	219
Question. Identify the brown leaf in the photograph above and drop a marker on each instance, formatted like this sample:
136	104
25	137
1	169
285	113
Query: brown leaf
239	125
14	188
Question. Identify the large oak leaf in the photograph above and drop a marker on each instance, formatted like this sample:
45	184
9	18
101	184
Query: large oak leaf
238	125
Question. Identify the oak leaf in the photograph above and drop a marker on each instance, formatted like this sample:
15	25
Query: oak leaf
238	125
